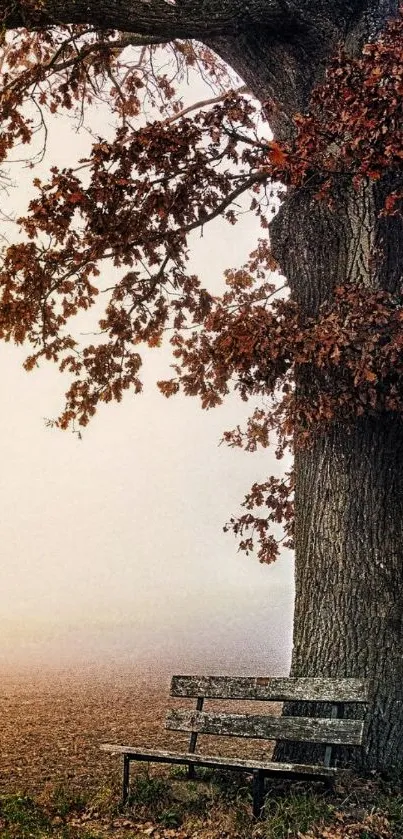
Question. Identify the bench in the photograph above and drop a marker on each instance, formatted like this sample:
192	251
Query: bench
331	730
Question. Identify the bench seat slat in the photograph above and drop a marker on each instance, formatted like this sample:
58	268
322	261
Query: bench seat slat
161	756
309	729
272	689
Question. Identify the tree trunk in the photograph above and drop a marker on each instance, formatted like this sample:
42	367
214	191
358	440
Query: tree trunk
349	483
349	570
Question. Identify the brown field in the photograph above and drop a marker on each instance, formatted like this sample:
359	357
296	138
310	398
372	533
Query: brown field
52	725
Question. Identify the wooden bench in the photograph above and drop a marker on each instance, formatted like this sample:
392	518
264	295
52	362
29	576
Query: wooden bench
331	730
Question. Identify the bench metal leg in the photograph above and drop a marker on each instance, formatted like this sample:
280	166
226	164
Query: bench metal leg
126	778
258	793
191	771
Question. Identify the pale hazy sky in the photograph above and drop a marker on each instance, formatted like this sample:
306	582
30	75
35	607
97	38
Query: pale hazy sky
114	544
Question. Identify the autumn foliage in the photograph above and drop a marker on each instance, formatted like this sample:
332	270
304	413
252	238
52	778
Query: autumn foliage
134	200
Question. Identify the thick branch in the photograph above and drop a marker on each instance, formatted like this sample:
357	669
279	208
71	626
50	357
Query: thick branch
197	19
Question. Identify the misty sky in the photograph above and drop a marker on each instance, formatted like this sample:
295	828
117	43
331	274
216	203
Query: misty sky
113	546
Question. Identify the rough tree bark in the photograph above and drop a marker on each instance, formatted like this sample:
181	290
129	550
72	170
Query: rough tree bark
349	485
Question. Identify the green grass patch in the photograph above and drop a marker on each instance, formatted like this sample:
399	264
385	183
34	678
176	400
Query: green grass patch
21	816
215	796
146	791
64	801
286	815
167	800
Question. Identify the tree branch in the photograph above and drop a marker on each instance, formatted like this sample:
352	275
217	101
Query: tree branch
150	18
202	103
248	183
115	46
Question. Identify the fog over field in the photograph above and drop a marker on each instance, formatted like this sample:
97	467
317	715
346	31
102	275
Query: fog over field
112	547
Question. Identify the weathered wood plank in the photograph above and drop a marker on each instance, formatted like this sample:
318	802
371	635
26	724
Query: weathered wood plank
309	729
272	689
161	756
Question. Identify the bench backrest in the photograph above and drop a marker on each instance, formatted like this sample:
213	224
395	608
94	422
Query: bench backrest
331	730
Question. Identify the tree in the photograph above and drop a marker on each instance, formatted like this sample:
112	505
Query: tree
329	80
